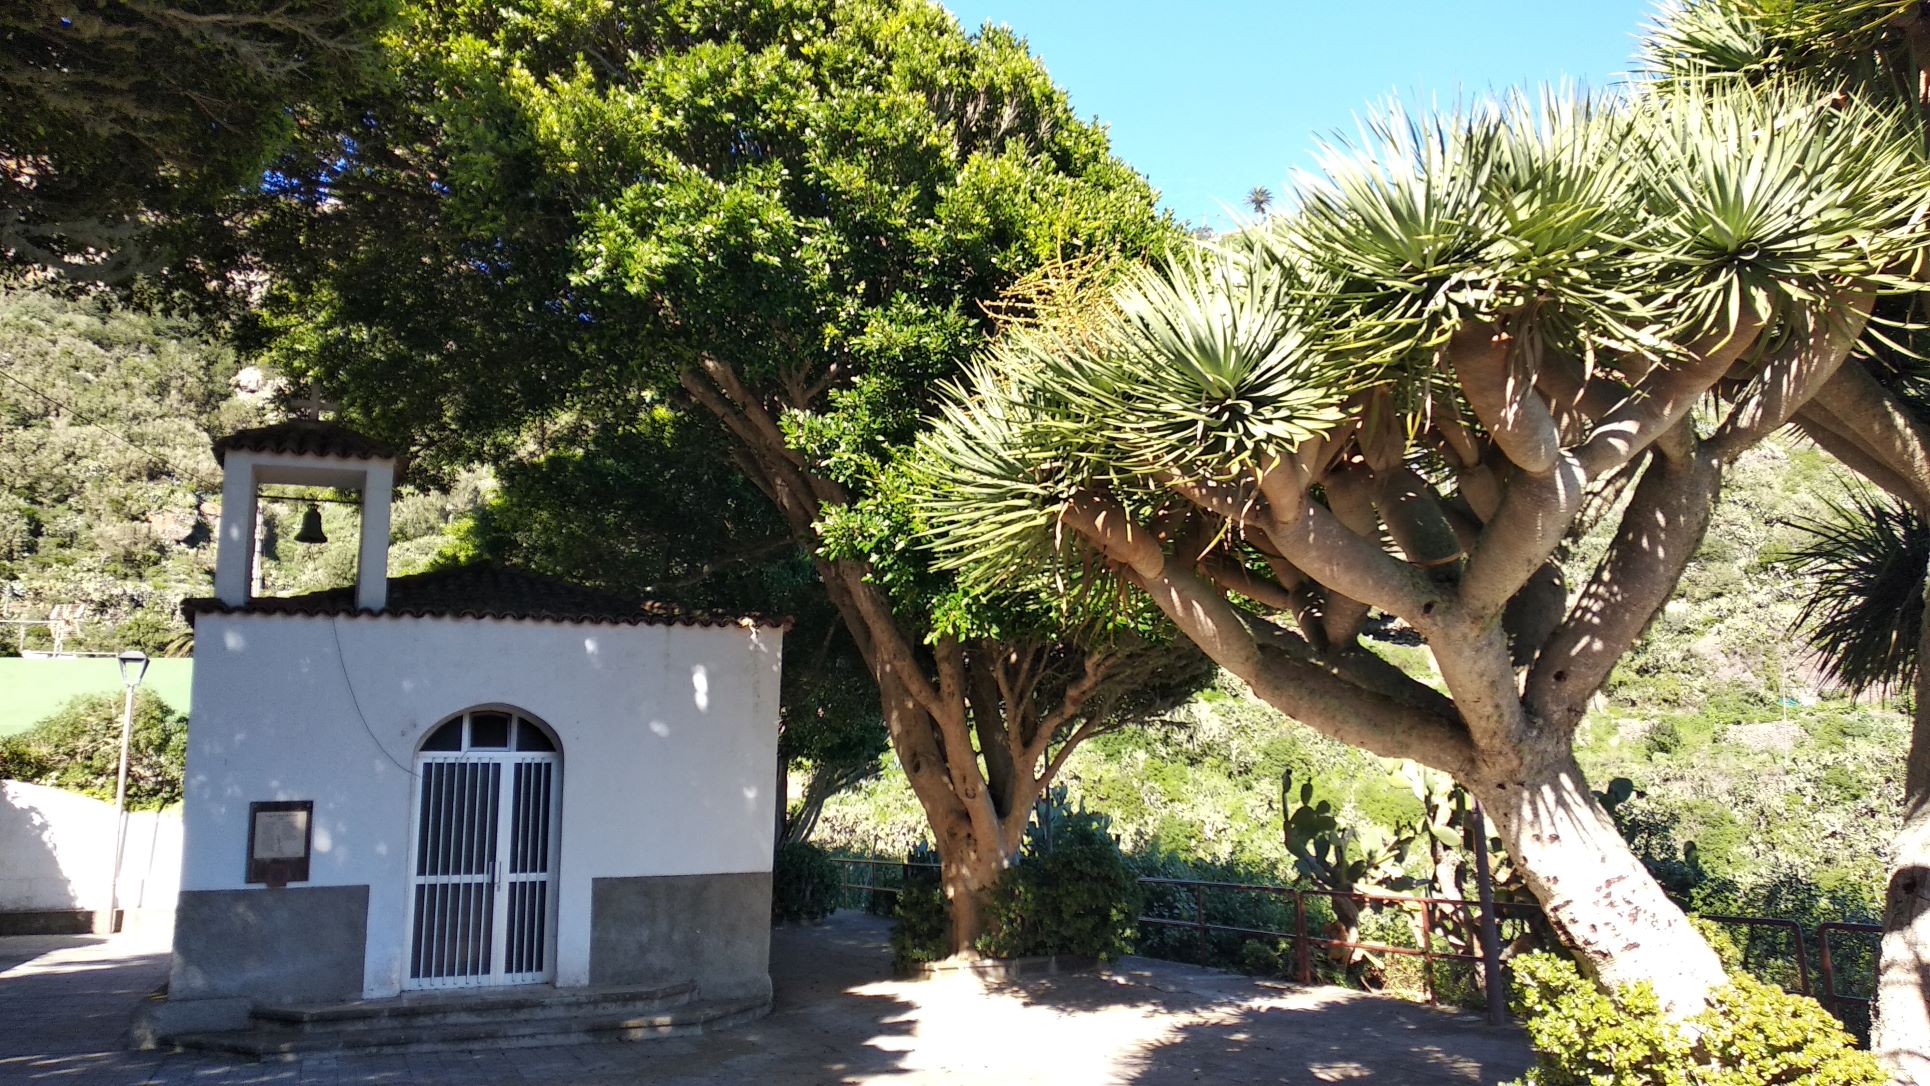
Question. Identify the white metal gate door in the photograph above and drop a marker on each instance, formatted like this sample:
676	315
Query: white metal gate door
483	874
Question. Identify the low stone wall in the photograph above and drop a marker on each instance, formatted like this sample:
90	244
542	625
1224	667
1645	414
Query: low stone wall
711	929
57	850
999	969
295	944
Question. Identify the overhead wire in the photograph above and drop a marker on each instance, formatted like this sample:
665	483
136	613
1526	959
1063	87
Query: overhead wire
150	454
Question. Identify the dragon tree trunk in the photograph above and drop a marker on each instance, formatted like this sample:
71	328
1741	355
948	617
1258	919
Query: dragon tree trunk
1597	894
1900	1034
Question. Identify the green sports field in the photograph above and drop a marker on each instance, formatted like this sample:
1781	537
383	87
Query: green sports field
32	689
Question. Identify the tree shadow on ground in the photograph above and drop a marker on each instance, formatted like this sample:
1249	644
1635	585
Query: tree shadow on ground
1365	1040
1205	1025
67	1001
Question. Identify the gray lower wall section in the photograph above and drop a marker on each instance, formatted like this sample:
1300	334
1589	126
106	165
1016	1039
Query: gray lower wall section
713	929
296	943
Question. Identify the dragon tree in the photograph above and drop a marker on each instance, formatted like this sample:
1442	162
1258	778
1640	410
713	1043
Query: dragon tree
1395	402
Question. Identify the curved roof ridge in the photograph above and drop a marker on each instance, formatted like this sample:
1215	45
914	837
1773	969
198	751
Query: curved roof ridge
304	437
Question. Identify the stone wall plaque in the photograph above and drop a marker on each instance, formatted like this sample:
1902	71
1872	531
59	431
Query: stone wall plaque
280	833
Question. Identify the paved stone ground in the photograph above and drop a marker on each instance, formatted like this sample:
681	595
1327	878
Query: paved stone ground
839	1018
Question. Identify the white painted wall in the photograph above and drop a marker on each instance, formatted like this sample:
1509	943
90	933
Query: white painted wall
57	851
668	735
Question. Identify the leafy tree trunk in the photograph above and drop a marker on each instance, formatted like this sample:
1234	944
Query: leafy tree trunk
981	729
826	781
1900	1035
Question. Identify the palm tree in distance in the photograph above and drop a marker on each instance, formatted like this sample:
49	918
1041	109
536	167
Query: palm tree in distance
1259	199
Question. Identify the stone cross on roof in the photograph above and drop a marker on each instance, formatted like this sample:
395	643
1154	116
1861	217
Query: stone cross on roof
311	405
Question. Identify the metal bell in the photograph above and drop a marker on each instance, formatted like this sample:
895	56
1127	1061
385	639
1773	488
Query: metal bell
311	529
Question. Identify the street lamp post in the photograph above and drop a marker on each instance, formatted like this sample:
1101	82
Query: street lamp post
133	668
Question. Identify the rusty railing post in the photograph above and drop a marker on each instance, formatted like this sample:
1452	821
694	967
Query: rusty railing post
1427	950
1300	949
1828	998
1802	956
1199	919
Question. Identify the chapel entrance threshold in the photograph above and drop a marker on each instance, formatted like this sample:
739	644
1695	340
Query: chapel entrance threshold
526	1016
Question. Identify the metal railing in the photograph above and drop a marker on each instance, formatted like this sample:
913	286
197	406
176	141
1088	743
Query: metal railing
871	887
1840	1002
1426	910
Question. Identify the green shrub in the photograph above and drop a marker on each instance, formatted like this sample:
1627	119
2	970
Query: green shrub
919	934
79	748
921	919
1072	892
805	883
1664	737
1266	957
1751	1034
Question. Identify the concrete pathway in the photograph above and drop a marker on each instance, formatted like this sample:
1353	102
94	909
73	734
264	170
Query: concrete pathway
839	1017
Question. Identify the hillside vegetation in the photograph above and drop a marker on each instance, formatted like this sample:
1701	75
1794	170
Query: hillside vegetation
110	494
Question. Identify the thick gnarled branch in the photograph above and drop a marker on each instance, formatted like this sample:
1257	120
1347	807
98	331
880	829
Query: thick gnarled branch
1659	532
1297	686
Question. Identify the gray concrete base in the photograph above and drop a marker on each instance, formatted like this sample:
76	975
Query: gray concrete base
159	1018
712	929
295	944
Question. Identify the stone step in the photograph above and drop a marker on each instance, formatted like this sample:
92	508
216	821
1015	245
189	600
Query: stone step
268	1043
473	1006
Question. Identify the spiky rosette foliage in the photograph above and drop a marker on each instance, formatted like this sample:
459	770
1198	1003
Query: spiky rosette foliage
1843	39
993	487
1766	199
1866	558
1428	223
1197	364
1184	371
1619	240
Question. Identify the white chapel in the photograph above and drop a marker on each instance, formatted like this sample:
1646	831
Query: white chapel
474	781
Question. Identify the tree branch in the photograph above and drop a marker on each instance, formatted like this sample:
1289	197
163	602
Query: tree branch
1506	404
1788	380
1663	398
1536	512
1299	688
1319	545
1660	531
1877	422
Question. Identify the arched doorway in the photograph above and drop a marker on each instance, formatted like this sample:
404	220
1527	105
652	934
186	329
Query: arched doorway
483	875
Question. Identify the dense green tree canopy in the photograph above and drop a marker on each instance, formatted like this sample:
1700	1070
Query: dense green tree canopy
128	128
656	507
776	224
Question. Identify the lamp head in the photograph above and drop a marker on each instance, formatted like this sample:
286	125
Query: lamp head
133	666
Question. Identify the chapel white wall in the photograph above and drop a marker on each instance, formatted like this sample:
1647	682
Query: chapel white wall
668	735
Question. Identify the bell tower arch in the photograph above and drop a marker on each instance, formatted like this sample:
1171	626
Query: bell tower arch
302	452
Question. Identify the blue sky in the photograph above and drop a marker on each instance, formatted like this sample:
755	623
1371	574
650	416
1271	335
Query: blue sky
1211	98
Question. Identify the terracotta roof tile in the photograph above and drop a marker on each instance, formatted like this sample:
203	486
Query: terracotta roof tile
486	591
303	437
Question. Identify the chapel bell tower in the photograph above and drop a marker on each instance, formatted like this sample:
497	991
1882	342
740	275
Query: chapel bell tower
302	452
